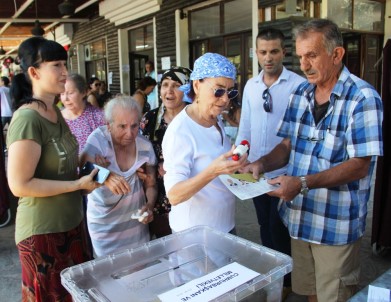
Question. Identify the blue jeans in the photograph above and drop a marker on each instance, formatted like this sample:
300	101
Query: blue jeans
274	234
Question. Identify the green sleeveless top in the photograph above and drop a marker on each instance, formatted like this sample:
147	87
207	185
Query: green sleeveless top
59	161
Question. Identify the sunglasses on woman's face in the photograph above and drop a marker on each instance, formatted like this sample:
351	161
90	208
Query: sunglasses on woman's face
219	92
97	84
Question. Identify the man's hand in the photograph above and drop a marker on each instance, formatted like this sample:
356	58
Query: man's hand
256	168
288	187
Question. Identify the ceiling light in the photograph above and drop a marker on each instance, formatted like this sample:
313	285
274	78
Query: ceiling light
66	8
37	29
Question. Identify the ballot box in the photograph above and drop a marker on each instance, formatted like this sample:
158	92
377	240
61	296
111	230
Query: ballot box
198	264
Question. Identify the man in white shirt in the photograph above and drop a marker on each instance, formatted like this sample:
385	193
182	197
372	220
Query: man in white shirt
264	101
6	105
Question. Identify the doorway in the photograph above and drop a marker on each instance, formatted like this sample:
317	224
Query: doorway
237	48
362	53
137	68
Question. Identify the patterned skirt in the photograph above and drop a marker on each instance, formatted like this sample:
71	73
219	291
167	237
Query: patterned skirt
42	259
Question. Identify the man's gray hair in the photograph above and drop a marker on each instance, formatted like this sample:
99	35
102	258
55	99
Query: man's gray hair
123	102
332	36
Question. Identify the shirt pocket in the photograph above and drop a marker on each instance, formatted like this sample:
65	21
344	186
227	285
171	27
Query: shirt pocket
334	147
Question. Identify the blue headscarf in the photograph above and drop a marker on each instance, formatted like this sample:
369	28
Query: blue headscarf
210	65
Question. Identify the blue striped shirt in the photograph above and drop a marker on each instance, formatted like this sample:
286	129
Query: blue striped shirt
350	128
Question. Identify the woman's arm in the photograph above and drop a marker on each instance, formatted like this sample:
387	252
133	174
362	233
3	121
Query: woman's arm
116	183
183	190
23	157
139	98
150	186
92	100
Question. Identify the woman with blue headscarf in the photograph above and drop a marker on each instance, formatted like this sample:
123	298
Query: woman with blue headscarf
196	150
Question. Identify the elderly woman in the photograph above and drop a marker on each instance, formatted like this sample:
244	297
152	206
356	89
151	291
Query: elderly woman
196	150
81	117
124	150
153	126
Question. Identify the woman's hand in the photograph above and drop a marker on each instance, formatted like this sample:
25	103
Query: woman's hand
87	182
149	218
117	184
225	165
160	169
101	161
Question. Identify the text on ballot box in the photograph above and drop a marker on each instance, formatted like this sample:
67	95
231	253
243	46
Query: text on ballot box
211	286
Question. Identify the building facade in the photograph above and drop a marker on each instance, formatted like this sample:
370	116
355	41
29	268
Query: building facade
124	34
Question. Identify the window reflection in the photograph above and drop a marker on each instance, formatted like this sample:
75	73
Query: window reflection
237	16
211	21
205	22
141	38
367	15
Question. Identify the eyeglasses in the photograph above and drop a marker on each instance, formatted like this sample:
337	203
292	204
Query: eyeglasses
268	102
219	92
314	135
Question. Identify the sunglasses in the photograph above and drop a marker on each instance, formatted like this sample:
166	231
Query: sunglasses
97	84
268	103
219	92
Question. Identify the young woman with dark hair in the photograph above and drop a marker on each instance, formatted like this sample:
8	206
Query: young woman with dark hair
42	172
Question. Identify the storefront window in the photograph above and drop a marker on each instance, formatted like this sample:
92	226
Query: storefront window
237	16
222	18
141	38
98	49
205	22
291	8
367	15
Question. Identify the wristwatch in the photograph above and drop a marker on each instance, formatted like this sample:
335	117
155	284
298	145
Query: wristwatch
304	188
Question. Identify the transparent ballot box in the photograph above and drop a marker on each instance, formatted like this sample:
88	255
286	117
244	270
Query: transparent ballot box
171	263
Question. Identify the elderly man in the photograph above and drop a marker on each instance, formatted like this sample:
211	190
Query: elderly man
331	136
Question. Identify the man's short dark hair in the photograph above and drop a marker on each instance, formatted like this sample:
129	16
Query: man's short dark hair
271	34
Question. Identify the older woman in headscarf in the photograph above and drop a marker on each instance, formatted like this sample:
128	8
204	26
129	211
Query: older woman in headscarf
153	127
119	146
196	150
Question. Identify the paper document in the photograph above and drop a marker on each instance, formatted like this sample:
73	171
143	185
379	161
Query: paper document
245	187
378	294
212	285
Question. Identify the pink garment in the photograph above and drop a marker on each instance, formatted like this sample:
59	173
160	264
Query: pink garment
88	121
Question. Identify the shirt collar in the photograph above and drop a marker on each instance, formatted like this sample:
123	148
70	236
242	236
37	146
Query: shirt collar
337	91
284	76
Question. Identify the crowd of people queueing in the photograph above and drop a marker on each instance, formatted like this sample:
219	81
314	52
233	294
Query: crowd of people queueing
165	162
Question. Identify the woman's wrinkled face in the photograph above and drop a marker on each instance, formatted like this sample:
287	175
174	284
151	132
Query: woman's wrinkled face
209	104
125	126
171	95
72	98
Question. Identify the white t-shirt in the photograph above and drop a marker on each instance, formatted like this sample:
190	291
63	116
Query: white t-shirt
6	108
188	148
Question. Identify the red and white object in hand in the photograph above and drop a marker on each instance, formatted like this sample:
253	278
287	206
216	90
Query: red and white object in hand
241	149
